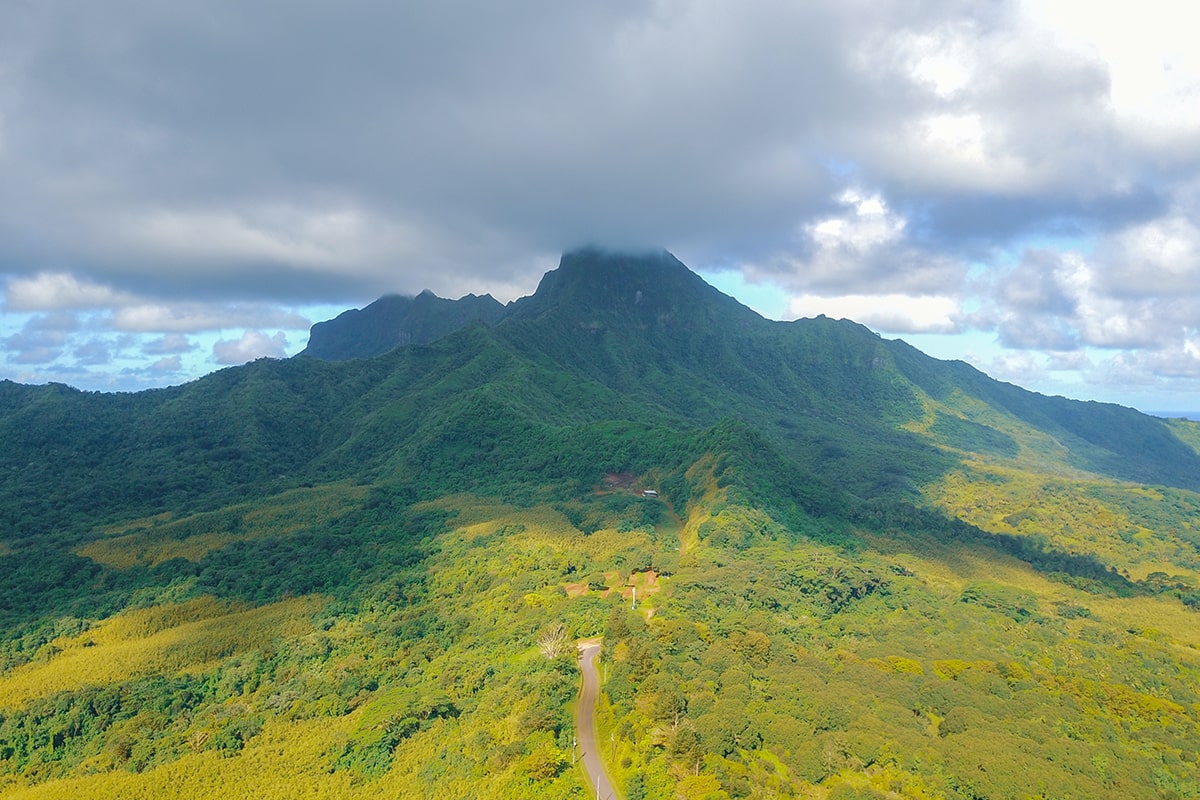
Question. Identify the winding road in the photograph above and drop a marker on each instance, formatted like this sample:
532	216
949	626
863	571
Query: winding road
585	722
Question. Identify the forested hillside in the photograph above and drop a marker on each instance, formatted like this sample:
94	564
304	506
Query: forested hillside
866	573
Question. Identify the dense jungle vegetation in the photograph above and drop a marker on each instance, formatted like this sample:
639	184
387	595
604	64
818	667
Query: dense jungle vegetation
867	574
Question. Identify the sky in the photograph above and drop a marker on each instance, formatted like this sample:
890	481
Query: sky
190	185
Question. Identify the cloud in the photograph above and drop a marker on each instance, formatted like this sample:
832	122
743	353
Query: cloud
1043	282
1021	368
169	365
92	352
863	247
1036	304
1153	259
252	345
215	138
1151	60
195	317
42	339
1027	169
49	291
894	313
1075	361
172	343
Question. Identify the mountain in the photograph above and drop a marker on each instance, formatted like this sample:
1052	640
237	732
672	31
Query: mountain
645	325
395	321
862	572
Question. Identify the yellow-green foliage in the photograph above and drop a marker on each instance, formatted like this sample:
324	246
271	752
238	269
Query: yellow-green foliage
1082	516
1187	431
287	761
773	666
158	640
1000	643
154	540
885	780
1035	448
149	549
950	668
898	664
707	495
288	512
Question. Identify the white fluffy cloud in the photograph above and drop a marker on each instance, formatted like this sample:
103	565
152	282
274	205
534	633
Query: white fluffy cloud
864	246
890	313
252	345
49	291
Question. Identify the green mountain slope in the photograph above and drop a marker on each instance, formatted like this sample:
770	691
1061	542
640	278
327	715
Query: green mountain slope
867	573
395	321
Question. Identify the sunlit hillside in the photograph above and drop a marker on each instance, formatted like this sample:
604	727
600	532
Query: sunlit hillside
821	565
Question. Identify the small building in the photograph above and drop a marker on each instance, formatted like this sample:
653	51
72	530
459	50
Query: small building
649	493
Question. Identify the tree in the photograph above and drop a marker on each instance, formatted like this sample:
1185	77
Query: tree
553	641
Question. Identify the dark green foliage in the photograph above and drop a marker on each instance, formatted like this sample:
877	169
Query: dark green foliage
1021	606
364	545
971	436
635	789
394	321
370	753
1104	438
57	733
614	365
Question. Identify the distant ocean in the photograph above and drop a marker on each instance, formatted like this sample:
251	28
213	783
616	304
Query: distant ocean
1195	415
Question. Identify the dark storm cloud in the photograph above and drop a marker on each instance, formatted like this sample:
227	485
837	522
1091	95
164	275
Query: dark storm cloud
975	222
253	150
371	137
311	151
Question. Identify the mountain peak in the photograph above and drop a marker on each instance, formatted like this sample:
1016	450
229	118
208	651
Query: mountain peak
655	262
649	284
395	320
590	285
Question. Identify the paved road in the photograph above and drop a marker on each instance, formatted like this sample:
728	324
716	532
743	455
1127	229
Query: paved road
585	723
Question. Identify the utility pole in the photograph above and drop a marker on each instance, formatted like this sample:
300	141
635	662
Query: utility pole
634	598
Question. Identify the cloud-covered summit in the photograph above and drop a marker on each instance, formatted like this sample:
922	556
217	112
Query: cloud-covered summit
1022	173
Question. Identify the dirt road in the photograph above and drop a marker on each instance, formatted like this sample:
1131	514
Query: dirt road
585	723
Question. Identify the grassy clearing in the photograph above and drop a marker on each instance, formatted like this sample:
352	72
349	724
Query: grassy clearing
154	540
161	640
1131	528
